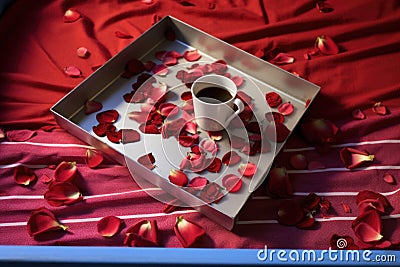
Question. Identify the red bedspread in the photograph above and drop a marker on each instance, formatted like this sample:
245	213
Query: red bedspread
36	46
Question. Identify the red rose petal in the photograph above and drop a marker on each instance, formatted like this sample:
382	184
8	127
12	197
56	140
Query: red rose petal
319	131
238	80
114	136
45	179
388	178
109	226
168	109
273	99
231	158
326	45
149	128
209	145
274	117
253	127
358	114
149	65
353	158
211	193
237	142
366	233
198	182
142	234
380	109
71	15
134	66
160	70
73	71
367	195
108	116
185	96
92	106
82	52
102	128
286	108
42	221
279	184
247	170
20	135
187	232
324	7
178	178
215	135
315	165
62	193
147	161
170	61
122	35
232	183
246	99
282	58
306	223
311	202
65	171
93	158
277	132
188	140
215	165
130	136
346	208
290	213
298	161
24	175
192	55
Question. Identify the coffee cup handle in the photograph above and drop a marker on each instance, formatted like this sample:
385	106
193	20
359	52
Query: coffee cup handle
240	107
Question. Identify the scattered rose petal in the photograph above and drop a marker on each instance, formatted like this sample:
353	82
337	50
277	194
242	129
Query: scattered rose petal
277	132
160	70
148	2
237	142
219	66
211	193
324	7
147	161
231	158
149	128
93	158
142	234
232	183
42	221
102	128
273	99
215	165
298	161
326	45
108	116
209	145
92	106
170	61
172	206
388	178
286	108
319	131
20	135
198	182
253	127
122	35
282	58
275	117
215	135
290	213
366	233
246	99
380	109
376	200
346	208
178	178
238	80
114	136
247	170
168	109
24	175
315	165
185	96
358	114
62	194
188	232
73	71
279	184
109	226
311	202
188	140
82	52
65	171
353	158
45	179
130	136
306	223
192	55
71	15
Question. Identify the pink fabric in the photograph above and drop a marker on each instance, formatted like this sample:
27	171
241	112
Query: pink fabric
37	45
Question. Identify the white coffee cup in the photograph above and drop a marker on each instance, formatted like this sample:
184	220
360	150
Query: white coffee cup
214	100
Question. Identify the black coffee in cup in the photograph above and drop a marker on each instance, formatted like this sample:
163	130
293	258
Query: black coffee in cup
214	95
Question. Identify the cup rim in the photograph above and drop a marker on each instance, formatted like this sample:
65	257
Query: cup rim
232	92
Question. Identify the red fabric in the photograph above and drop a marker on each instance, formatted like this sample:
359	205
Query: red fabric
36	46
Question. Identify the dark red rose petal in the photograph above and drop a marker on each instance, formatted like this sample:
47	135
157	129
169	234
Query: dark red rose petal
147	160
319	131
215	135
168	109
367	195
185	96
160	70
114	136
130	136
65	171
71	15
73	71
306	223
42	221
277	132
311	202
178	178
122	35
187	232
286	108
380	109
326	45
211	193
246	99
298	161
108	116
389	178
358	114
248	169
324	7
198	182
102	128
231	158
282	58
20	135
24	175
273	99
62	194
346	208
45	179
366	233
92	106
142	234
192	55
188	140
290	213
215	165
279	184
253	127
82	52
232	183
353	158
93	158
149	128
109	226
274	117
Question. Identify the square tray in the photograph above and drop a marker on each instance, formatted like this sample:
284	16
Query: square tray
107	86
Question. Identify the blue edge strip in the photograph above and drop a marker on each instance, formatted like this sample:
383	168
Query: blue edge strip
124	256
